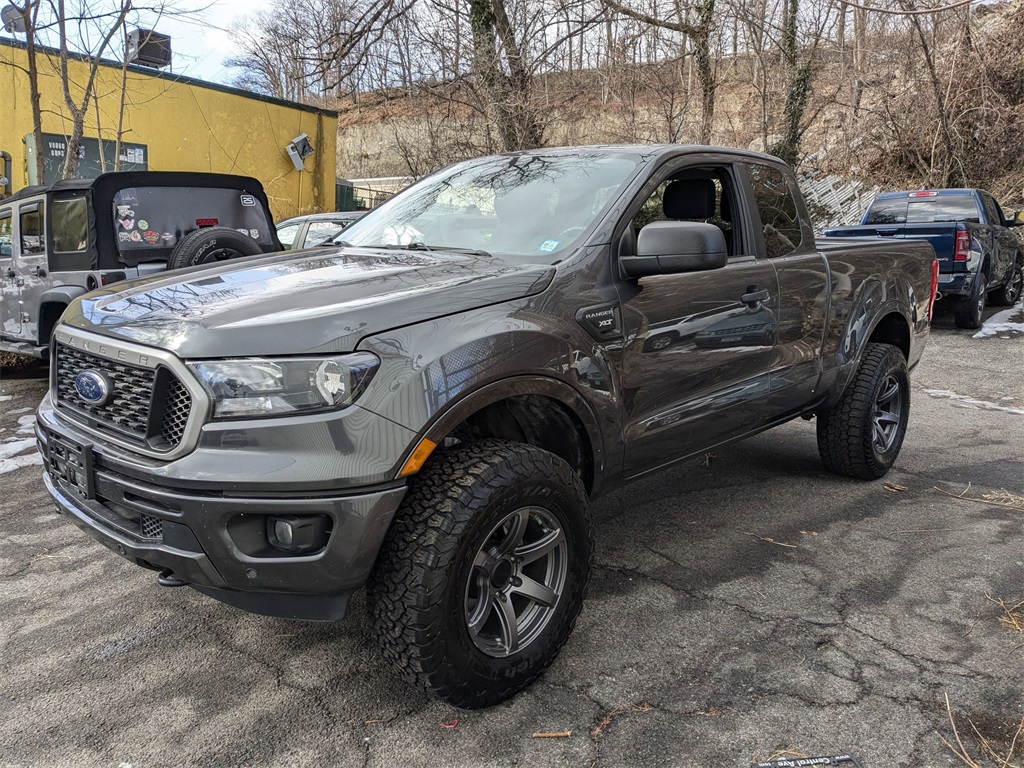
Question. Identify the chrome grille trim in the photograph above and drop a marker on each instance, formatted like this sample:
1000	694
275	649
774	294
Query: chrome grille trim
186	423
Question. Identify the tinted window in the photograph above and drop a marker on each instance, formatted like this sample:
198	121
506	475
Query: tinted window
149	217
780	221
691	189
6	235
70	226
33	237
992	211
923	210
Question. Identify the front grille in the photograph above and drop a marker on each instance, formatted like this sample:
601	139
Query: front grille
127	410
149	407
177	406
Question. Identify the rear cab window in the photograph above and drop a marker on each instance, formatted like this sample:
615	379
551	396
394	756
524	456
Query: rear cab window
159	217
923	210
776	205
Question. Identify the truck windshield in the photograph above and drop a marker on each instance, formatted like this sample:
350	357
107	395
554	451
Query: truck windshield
923	210
526	209
147	218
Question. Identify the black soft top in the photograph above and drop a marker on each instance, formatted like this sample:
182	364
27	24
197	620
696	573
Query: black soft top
100	192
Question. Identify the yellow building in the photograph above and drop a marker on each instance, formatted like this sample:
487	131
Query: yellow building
170	123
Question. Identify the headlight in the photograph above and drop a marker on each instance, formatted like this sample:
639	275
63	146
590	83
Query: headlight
284	386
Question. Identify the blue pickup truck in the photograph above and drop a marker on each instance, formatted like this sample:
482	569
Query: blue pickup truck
978	255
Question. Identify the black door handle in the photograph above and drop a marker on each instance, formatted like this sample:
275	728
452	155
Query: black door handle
753	297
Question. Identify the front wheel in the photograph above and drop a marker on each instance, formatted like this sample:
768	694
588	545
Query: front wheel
861	435
968	311
482	574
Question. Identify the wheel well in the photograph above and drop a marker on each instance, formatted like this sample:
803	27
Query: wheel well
893	330
536	420
49	314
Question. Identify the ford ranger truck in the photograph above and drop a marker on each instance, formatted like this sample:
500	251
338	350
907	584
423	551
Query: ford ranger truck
428	408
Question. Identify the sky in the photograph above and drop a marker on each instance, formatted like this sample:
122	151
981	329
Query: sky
200	42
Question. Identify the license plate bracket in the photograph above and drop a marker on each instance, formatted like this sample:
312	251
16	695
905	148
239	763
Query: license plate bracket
71	464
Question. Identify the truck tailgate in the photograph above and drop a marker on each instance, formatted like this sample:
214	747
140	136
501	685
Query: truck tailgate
941	236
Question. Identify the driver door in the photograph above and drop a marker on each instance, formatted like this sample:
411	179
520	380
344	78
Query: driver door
699	345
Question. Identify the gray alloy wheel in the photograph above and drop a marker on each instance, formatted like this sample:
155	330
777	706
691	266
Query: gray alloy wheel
482	573
1009	293
888	414
518	576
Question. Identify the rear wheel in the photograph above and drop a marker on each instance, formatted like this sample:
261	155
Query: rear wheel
1010	291
211	245
482	574
861	435
969	310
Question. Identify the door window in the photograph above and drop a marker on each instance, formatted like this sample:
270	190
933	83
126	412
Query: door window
320	232
995	216
6	235
693	194
287	234
33	236
780	221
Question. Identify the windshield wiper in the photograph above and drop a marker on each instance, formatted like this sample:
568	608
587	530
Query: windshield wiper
421	246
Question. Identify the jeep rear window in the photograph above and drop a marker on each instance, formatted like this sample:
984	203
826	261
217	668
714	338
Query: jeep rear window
158	217
923	210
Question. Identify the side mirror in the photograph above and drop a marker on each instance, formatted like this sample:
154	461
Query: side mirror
672	247
1017	220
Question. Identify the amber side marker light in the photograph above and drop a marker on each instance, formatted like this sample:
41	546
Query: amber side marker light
419	456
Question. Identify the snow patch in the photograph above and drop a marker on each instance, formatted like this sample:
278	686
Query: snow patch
17	462
5	398
965	401
26	425
1003	324
14	447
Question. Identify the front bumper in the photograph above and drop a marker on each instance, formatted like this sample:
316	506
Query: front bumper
209	539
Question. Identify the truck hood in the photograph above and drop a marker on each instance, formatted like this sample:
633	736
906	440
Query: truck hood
316	301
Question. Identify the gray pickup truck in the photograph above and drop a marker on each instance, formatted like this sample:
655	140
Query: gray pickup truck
429	408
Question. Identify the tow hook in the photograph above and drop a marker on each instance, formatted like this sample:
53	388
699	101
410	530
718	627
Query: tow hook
168	579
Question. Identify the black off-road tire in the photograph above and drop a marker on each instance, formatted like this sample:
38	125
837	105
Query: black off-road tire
857	437
1009	292
969	310
420	589
211	245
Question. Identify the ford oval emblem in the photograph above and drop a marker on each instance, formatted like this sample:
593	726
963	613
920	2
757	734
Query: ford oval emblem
93	387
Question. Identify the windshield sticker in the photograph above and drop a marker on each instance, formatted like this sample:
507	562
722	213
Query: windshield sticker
124	237
136	236
143	224
248	201
168	236
125	212
254	234
127	223
128	197
151	236
548	246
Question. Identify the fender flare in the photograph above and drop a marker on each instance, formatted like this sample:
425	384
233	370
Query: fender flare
459	410
61	295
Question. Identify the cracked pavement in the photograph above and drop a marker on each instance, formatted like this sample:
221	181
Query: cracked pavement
740	606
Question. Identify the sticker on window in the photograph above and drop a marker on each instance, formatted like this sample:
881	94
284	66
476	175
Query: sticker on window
548	246
143	224
248	201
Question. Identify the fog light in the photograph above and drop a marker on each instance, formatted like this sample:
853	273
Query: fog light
298	534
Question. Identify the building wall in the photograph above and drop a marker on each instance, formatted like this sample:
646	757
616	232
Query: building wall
186	124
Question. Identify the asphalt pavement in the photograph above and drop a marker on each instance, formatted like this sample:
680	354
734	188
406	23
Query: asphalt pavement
745	606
